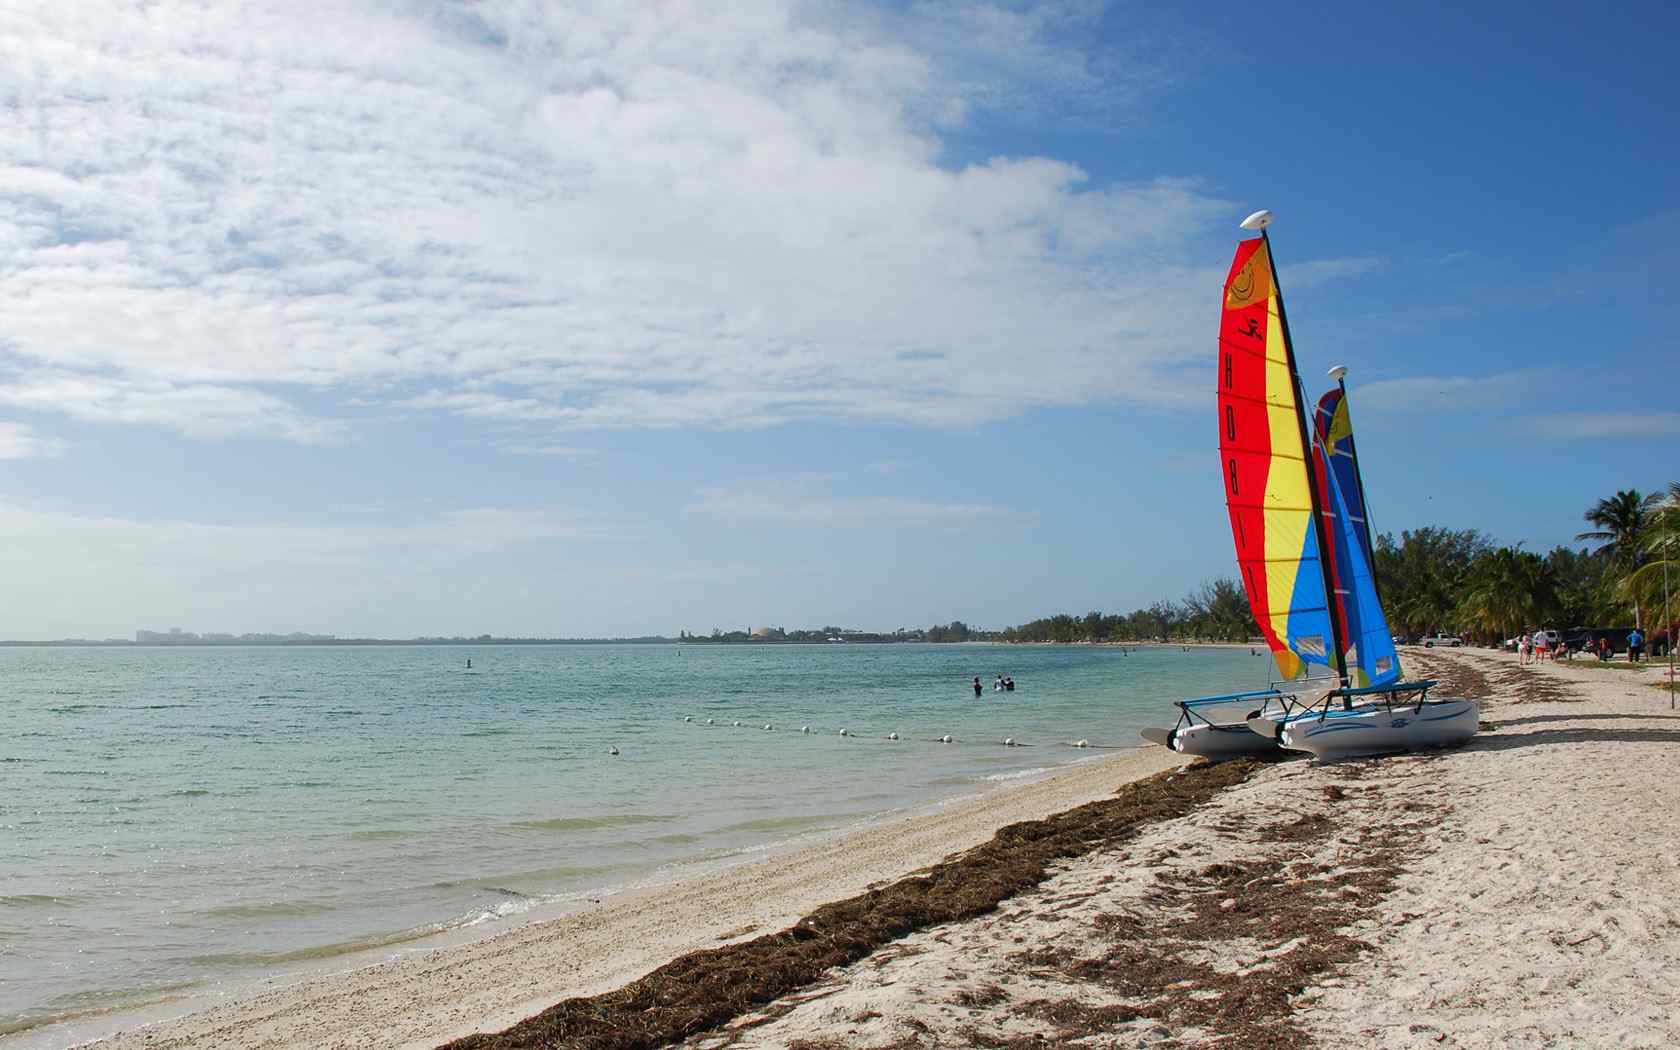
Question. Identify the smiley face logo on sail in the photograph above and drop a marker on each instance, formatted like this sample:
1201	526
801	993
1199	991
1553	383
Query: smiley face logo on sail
1252	283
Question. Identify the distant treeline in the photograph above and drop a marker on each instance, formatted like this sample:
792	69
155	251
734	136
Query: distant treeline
827	634
1216	611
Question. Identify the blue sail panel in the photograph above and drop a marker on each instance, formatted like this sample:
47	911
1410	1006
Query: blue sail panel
1371	658
1334	428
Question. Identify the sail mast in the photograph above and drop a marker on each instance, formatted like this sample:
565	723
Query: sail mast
1338	633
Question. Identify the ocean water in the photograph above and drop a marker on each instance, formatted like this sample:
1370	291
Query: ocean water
176	816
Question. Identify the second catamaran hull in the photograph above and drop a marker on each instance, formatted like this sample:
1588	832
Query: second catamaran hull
1212	742
1380	729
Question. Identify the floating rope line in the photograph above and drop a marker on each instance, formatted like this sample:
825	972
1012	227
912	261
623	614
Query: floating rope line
894	736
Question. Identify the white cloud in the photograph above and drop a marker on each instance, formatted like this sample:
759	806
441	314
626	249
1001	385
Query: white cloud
177	541
1315	272
484	568
552	451
198	410
798	504
1445	393
20	441
566	216
1646	425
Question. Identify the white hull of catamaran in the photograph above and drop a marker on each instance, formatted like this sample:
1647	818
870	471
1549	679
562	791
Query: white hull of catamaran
1215	741
1376	729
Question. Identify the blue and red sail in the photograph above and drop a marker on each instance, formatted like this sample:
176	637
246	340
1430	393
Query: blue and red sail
1370	656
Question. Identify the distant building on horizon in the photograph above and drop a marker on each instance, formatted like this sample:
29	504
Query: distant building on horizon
174	634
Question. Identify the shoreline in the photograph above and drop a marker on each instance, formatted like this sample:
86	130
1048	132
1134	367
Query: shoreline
585	946
1300	882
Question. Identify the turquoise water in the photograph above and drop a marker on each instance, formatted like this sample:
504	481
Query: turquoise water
175	816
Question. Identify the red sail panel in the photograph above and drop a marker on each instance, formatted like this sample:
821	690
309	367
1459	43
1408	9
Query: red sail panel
1264	464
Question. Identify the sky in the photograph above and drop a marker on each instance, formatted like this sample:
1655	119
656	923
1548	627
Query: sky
529	318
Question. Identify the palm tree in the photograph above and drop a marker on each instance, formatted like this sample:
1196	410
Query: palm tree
1660	544
1621	522
1508	590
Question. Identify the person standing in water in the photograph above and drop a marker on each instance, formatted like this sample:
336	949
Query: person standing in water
976	687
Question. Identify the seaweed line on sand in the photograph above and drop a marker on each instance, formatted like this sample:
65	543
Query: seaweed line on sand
707	989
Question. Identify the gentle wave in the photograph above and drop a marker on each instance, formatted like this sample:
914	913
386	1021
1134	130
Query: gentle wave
267	910
74	1005
591	823
676	839
1036	771
36	900
495	883
218	960
774	824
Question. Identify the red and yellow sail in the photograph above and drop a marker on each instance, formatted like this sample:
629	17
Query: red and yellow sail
1267	490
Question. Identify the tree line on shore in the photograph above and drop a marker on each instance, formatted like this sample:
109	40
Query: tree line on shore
1434	580
1431	580
1438	579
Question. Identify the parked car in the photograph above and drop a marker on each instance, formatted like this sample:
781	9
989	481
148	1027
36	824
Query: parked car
1401	639
1585	639
1446	641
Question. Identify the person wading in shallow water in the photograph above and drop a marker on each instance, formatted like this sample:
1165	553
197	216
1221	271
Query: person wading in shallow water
976	687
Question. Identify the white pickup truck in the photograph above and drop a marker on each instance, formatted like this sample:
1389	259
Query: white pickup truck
1446	641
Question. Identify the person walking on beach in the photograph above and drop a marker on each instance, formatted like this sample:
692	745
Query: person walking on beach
1636	642
1522	650
976	687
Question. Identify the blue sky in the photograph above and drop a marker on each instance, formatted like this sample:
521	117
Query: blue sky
601	319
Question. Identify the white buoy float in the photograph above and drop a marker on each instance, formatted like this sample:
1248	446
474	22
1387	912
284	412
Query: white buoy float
767	727
612	750
737	723
946	739
804	729
1081	743
708	721
1008	741
688	718
844	733
892	736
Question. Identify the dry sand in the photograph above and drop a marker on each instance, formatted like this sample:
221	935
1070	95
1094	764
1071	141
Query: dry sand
1520	891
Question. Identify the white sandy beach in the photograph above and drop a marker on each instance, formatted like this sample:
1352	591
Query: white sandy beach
1537	901
1521	891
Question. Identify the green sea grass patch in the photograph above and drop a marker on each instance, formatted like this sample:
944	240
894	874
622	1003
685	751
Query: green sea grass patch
709	988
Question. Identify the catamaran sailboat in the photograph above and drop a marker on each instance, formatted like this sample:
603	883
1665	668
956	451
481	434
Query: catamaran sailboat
1304	556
